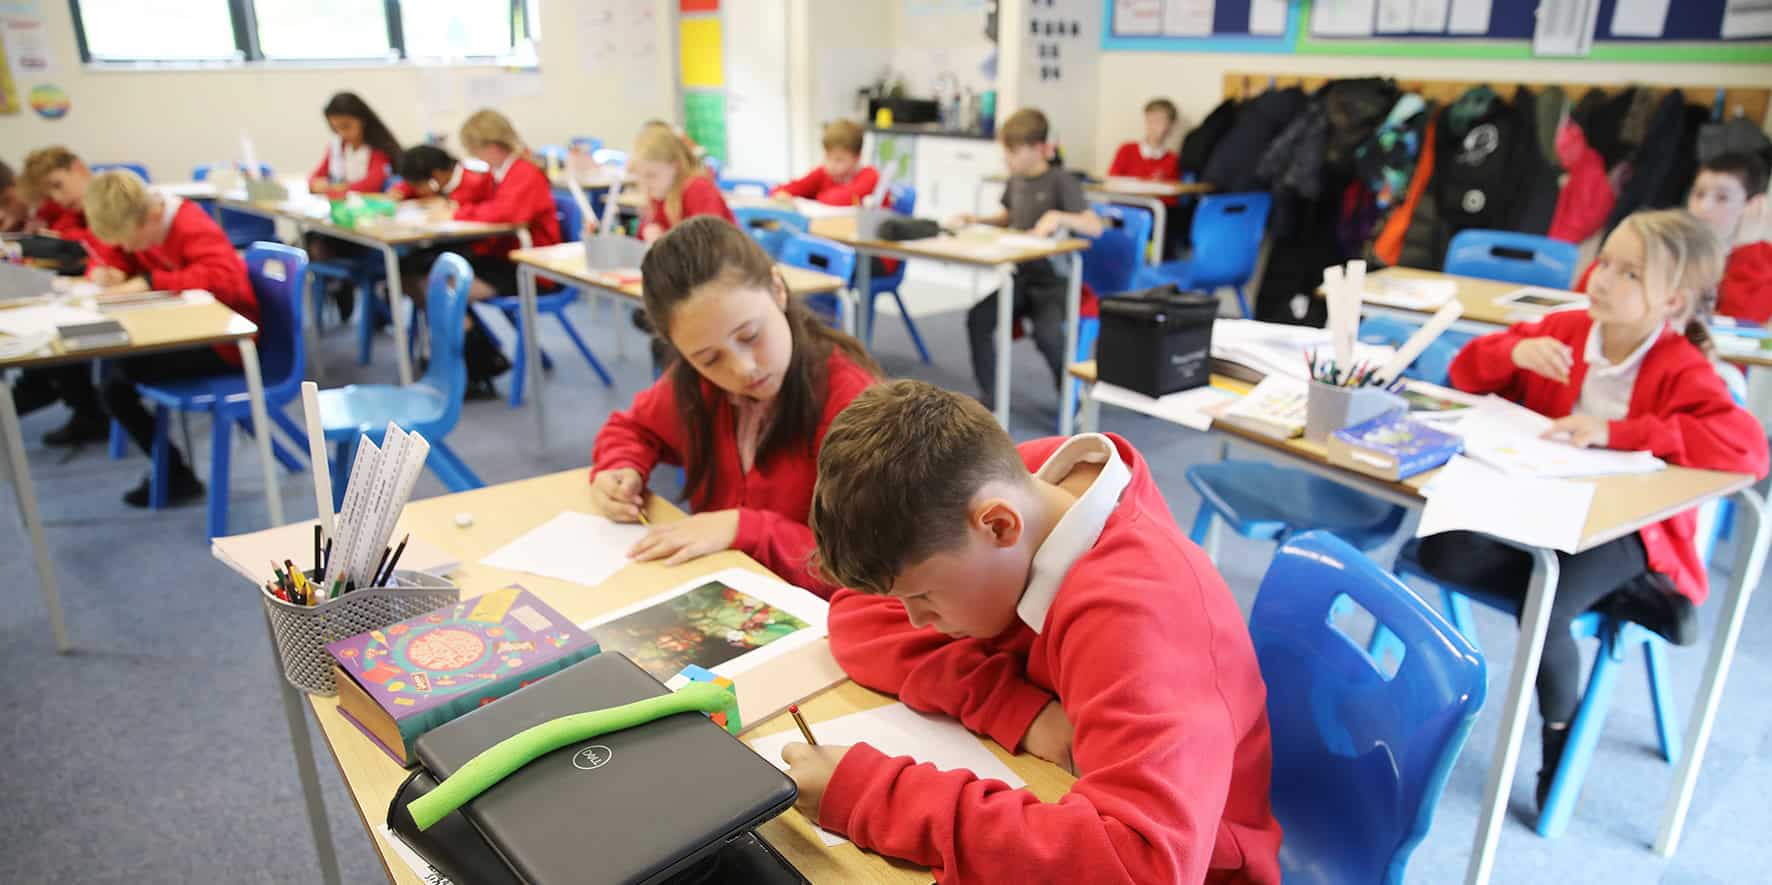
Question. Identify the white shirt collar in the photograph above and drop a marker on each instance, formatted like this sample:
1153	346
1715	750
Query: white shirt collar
498	174
1151	153
172	202
454	181
347	164
1596	356
1080	527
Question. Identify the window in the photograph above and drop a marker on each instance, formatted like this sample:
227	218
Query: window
323	29
178	30
184	31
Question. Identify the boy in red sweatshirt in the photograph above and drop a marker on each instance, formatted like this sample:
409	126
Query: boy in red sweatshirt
1152	160
842	180
162	243
1044	596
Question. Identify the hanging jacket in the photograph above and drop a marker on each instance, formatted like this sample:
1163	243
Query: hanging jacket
1476	177
1355	108
1653	161
1293	163
1535	177
1549	108
1387	247
1198	146
1586	199
1684	167
1386	160
1602	118
1233	163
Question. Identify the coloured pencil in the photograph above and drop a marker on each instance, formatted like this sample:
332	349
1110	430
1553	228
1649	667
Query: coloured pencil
805	730
387	578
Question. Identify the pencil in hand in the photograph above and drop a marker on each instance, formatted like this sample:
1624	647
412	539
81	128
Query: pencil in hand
805	730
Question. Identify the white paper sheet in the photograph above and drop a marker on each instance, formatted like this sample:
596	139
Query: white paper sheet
1565	27
1138	17
1747	18
1430	16
897	730
1395	16
1640	18
776	594
1468	496
424	871
1267	17
1342	18
37	319
577	547
1410	293
1187	18
1469	17
1506	437
1188	408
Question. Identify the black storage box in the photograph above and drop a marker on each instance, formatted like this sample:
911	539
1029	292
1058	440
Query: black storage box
1156	342
905	111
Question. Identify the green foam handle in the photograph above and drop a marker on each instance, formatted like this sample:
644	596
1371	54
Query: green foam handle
500	760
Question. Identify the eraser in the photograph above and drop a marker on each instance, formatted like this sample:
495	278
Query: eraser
464	519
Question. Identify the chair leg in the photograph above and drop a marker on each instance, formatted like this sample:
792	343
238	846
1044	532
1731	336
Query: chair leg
1667	718
1458	607
119	445
519	363
910	326
1584	736
585	349
221	451
291	430
161	459
365	325
184	432
455	474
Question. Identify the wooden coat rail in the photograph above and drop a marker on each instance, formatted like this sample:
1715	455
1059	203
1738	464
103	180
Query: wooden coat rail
1747	101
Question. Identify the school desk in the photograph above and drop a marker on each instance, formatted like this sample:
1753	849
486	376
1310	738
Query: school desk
312	214
1126	191
565	263
501	513
977	249
152	329
1621	505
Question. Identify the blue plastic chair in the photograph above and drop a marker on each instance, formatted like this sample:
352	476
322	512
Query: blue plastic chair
1618	638
1267	502
552	304
276	274
137	168
431	406
714	165
242	228
590	144
1226	233
903	198
1362	743
1527	259
757	186
770	227
824	256
551	152
609	157
1434	365
1135	221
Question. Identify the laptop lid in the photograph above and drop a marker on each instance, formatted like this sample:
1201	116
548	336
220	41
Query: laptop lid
633	806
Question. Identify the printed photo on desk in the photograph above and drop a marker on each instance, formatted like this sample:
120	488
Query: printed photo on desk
727	622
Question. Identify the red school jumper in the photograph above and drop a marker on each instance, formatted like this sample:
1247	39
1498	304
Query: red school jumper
773	499
1148	652
819	185
70	224
700	197
374	180
194	255
521	196
1679	411
1745	292
1130	162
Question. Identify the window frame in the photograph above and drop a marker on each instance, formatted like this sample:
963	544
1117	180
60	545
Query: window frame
249	53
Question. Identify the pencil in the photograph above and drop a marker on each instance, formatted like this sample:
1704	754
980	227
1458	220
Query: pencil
387	578
794	710
317	563
375	576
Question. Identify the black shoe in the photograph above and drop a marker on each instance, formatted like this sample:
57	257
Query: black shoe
344	297
31	393
1554	740
481	390
80	430
184	488
1652	601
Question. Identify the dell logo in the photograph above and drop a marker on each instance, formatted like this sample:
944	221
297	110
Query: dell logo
592	757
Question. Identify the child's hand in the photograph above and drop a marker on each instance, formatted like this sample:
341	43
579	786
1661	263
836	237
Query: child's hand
318	185
651	232
1048	223
616	494
686	539
1546	356
106	276
1581	431
129	286
1756	223
1050	737
963	219
811	768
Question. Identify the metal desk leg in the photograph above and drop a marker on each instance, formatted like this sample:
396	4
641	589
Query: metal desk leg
1073	300
14	445
531	347
1751	532
305	770
1005	338
1159	227
402	359
1534	617
261	424
864	279
1090	419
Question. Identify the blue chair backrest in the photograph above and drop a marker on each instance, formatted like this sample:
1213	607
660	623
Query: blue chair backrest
1135	221
1527	259
137	168
756	186
714	165
1227	234
1110	263
276	272
770	227
904	199
552	152
1360	757
446	309
572	221
610	157
1434	365
590	144
817	253
201	171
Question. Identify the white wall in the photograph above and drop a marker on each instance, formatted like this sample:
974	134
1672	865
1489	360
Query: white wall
929	44
1070	101
755	49
850	44
1195	80
172	120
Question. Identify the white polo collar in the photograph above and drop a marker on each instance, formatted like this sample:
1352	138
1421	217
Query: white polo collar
454	180
1080	527
1152	153
498	174
1596	354
172	202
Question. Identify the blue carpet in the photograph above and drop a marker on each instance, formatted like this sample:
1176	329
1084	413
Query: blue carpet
157	751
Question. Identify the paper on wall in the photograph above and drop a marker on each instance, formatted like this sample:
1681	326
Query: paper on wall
1342	18
1469	17
1395	16
1640	18
1188	18
1746	18
1267	17
1565	27
28	48
1430	16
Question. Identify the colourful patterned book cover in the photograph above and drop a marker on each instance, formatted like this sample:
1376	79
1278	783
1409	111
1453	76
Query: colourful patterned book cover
401	681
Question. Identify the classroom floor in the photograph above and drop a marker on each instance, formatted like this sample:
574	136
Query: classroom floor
156	752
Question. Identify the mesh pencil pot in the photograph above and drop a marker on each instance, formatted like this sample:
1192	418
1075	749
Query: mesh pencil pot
302	631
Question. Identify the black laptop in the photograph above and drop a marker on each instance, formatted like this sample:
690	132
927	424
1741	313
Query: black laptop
663	802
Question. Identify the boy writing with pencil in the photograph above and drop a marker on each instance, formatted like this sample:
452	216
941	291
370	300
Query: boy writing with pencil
1044	596
842	180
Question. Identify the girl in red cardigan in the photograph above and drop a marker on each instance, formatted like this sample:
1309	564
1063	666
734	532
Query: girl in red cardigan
1617	376
677	187
743	407
362	151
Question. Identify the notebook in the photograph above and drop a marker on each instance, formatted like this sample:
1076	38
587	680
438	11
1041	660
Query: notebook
632	806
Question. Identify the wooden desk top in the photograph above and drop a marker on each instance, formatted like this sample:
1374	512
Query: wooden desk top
955	249
315	214
568	260
502	513
1621	505
1117	186
153	329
